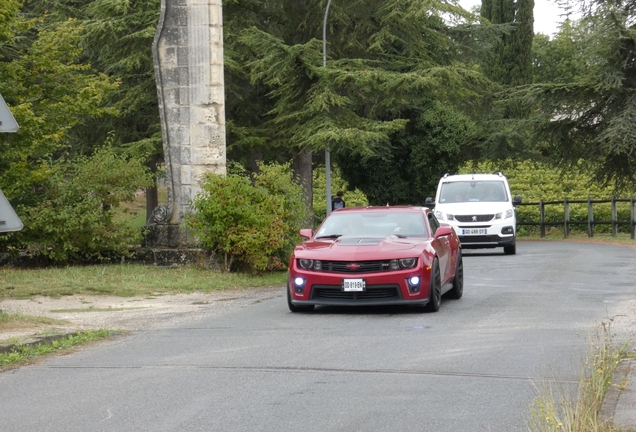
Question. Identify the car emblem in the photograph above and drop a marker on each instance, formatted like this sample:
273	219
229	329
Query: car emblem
474	218
353	266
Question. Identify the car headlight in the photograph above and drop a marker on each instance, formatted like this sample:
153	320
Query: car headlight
308	264
509	213
407	262
498	216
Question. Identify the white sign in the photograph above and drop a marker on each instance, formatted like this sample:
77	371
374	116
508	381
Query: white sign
7	121
9	220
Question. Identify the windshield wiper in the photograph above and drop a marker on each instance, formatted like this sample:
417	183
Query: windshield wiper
330	236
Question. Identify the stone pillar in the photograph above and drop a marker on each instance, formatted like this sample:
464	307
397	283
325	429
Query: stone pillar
188	56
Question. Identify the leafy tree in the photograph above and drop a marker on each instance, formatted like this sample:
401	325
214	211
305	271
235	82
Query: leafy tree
8	14
429	147
385	60
591	122
559	60
512	62
49	91
74	220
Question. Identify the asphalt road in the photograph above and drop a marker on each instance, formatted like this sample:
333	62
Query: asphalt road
470	367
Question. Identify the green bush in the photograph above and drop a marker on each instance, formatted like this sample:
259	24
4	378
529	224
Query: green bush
74	219
256	223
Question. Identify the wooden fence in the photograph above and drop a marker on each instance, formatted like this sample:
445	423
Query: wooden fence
590	222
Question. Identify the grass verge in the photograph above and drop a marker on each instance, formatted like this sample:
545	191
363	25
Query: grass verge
10	322
557	235
559	408
23	354
126	280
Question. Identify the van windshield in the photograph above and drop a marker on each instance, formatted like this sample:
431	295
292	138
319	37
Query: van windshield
473	191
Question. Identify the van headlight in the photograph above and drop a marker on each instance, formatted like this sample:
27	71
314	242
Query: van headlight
509	213
444	216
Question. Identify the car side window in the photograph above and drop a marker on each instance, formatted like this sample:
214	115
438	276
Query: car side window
433	222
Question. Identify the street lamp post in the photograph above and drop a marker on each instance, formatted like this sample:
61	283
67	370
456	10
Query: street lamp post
327	155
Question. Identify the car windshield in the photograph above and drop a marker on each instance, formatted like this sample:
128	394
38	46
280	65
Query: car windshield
373	224
473	191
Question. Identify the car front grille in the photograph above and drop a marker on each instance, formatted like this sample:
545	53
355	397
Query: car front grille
478	218
372	292
364	266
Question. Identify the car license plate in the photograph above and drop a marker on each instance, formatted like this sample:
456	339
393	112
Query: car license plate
353	284
474	231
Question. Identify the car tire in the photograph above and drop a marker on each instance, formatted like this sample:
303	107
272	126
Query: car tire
458	281
510	250
292	307
435	291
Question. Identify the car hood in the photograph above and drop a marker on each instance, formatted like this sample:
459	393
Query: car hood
362	248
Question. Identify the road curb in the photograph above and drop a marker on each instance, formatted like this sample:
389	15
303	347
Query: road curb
33	342
619	404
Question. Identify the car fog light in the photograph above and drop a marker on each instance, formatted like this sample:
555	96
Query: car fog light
414	284
299	282
507	230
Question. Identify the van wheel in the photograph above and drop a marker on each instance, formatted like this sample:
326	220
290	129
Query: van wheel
510	250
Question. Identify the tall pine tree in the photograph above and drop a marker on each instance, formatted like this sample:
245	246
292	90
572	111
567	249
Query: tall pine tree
512	62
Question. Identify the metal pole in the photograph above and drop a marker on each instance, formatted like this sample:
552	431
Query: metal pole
327	155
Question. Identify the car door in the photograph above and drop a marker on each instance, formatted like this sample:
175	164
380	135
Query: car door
442	247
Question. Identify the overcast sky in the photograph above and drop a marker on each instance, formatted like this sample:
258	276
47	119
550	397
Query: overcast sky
546	14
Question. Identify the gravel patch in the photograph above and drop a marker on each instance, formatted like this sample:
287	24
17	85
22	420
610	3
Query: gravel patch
82	313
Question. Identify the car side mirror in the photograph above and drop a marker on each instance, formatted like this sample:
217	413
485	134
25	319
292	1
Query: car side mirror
428	200
443	231
516	200
306	233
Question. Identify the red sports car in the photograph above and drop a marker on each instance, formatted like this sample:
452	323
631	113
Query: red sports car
376	256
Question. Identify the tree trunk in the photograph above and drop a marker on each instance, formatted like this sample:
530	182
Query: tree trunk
302	167
152	194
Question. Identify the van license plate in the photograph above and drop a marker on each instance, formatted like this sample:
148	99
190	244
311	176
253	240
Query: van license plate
475	231
353	284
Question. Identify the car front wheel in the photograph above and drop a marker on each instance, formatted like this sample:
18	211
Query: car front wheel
458	282
435	291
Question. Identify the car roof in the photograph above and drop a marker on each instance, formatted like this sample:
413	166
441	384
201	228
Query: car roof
398	209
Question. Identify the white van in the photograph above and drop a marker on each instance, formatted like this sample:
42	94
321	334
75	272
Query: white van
480	208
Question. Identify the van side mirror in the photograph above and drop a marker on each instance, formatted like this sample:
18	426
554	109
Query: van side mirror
429	200
516	200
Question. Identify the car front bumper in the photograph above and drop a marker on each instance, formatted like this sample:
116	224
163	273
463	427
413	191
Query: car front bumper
382	288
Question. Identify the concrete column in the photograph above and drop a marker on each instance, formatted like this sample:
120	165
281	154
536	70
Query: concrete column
188	55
